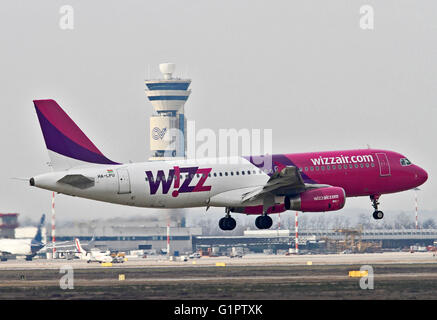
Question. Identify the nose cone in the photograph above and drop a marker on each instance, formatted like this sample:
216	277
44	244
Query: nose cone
421	176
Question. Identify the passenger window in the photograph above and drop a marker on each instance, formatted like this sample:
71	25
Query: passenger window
232	173
220	174
317	168
226	174
215	174
339	166
361	165
350	166
367	165
237	173
248	171
306	168
372	165
242	172
323	168
312	168
356	166
328	167
345	166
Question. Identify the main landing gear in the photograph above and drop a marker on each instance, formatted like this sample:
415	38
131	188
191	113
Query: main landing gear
377	214
227	223
263	222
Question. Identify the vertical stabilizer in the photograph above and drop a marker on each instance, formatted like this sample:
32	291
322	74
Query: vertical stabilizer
67	145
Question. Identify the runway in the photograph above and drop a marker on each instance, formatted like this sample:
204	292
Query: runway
398	275
247	260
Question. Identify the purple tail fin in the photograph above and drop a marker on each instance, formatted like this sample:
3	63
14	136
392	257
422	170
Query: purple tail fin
63	137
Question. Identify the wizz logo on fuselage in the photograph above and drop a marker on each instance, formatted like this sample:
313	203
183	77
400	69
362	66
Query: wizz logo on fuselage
175	175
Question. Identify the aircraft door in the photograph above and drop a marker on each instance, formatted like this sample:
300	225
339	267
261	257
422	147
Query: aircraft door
384	165
123	181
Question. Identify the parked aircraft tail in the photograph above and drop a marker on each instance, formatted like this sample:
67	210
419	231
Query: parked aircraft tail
38	236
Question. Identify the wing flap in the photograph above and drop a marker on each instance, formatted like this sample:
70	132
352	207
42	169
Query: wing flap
286	181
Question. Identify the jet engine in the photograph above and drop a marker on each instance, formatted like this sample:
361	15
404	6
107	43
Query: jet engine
317	200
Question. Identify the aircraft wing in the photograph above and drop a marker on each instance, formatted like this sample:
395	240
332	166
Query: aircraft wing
60	245
288	181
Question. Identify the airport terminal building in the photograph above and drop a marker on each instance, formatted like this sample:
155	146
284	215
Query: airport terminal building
119	235
321	241
125	236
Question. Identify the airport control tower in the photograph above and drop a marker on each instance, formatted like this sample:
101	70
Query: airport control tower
168	125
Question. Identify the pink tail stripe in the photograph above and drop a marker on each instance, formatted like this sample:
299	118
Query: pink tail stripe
61	121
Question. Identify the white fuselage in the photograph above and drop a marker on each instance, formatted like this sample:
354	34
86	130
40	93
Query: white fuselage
156	184
95	256
16	246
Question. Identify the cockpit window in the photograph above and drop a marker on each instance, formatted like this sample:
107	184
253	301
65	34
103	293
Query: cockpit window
405	162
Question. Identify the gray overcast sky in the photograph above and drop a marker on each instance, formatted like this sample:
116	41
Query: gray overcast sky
303	68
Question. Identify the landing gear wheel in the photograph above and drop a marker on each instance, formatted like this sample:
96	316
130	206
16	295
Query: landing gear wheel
230	223
258	222
263	222
222	223
227	223
378	215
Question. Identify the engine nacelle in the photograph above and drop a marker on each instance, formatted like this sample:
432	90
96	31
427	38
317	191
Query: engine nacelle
317	200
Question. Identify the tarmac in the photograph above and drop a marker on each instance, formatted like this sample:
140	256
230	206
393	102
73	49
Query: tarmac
396	275
246	260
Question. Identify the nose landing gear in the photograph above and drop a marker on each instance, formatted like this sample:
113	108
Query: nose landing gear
377	214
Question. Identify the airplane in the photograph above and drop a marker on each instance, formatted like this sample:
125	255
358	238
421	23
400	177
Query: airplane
22	247
93	255
66	247
259	185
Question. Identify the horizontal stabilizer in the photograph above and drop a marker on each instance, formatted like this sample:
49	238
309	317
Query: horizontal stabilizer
78	181
20	179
